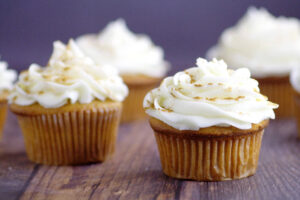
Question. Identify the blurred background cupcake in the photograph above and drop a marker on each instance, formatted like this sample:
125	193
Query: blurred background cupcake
267	45
295	82
7	77
140	63
69	111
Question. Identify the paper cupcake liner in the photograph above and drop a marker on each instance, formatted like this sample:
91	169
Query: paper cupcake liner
3	111
133	104
209	159
279	92
73	137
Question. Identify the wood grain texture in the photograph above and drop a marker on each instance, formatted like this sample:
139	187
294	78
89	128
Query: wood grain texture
135	172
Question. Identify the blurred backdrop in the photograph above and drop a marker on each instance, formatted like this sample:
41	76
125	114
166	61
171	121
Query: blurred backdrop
185	29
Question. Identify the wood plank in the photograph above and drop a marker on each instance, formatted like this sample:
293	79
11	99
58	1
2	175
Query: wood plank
129	175
135	171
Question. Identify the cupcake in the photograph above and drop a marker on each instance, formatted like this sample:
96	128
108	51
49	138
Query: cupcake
270	47
140	63
295	82
68	111
209	122
7	77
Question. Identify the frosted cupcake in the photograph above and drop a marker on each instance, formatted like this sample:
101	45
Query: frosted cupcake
209	122
270	47
7	77
140	63
69	111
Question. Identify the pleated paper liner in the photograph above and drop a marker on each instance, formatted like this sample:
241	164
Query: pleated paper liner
297	110
279	90
70	135
3	111
222	155
138	87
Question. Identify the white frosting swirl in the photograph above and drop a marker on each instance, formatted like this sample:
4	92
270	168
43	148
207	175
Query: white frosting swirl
267	45
209	95
130	53
69	77
7	77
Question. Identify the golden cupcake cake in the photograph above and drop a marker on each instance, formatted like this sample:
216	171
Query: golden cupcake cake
140	63
7	77
270	47
209	122
69	111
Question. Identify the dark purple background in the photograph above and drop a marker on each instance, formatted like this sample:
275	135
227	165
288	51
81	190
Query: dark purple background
184	28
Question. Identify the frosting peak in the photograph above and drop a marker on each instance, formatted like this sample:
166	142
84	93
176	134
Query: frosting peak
267	45
130	53
7	77
70	76
209	95
214	68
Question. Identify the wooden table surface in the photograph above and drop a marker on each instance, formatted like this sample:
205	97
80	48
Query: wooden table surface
135	171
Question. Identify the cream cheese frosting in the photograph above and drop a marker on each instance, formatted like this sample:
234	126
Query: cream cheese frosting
7	77
130	53
267	45
69	77
209	95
